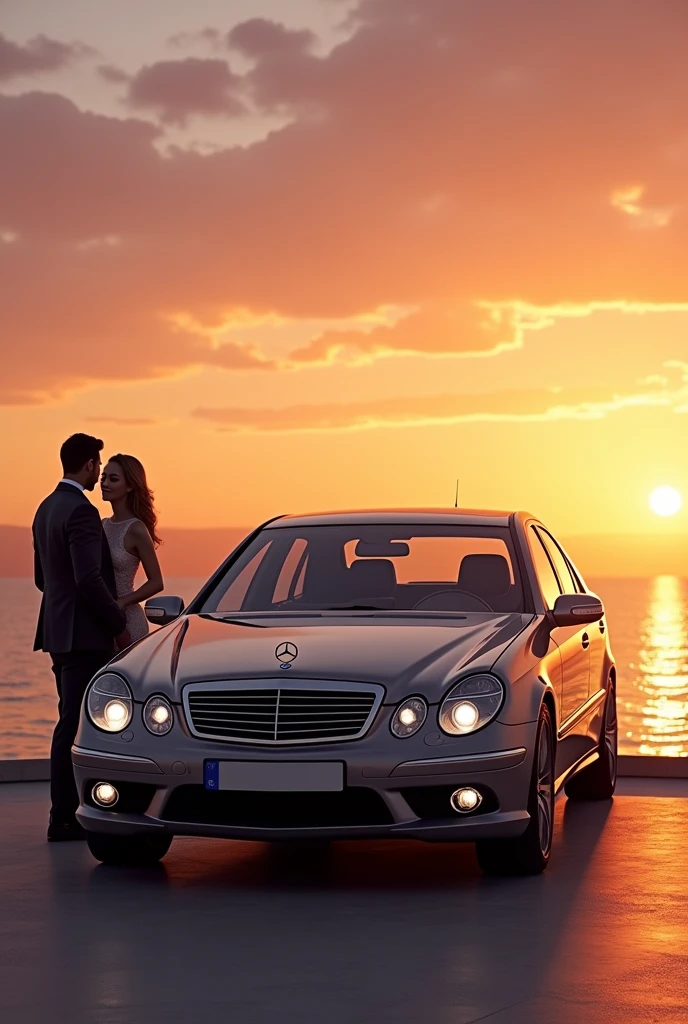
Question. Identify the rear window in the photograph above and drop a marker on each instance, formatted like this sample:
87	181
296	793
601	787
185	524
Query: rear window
399	568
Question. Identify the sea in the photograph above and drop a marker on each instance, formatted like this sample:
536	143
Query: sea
648	628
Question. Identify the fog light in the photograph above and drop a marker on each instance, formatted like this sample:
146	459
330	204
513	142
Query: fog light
105	794
466	799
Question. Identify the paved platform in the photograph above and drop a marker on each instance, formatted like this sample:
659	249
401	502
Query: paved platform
374	933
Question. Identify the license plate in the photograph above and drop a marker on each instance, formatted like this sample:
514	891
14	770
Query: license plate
275	776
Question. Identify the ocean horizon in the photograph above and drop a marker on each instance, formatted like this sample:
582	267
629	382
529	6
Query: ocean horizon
648	626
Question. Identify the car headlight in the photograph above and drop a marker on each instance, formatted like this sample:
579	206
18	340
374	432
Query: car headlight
471	704
157	716
409	717
110	703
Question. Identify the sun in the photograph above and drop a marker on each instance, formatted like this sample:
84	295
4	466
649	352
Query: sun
665	501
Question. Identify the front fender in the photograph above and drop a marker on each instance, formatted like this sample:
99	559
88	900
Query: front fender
530	674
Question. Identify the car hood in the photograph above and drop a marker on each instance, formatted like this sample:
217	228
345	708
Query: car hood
403	655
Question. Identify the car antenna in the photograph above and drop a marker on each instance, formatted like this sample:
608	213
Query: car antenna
456	499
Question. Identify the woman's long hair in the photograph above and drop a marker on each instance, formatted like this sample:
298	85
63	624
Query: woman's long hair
140	497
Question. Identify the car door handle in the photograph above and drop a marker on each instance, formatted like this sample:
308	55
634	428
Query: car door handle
585	641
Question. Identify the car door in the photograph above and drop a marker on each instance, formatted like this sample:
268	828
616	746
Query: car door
597	632
574	643
550	591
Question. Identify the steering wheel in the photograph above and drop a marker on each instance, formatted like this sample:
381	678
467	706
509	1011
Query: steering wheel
483	605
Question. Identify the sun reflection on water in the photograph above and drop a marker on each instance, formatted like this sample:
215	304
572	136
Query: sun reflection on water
662	681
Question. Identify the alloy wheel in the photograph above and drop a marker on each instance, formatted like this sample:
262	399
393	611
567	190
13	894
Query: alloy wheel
611	733
545	788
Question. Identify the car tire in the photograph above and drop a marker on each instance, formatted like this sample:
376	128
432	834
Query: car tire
128	851
598	780
529	853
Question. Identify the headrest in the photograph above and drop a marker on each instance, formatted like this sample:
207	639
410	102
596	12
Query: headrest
372	577
486	576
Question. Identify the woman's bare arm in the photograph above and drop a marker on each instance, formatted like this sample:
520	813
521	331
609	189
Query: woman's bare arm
138	542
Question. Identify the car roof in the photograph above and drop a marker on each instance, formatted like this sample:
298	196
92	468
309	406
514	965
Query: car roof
401	516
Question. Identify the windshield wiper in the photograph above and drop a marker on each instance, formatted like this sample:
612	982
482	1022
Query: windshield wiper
233	622
378	607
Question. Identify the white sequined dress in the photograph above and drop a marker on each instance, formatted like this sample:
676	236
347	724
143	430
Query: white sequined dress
126	566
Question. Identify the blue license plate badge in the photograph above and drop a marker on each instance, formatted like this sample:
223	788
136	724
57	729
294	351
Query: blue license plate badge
211	774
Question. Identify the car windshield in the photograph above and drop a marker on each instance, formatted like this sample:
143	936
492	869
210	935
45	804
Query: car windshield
397	568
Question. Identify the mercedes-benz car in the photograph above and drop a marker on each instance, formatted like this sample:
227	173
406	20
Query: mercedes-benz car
421	674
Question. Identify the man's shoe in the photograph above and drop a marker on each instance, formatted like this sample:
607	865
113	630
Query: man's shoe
65	831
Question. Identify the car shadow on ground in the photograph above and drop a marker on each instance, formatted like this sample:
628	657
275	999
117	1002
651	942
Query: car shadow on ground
364	864
401	931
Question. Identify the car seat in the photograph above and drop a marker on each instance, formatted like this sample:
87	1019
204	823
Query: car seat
371	577
486	576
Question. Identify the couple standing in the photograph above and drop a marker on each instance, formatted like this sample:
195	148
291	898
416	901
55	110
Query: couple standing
85	569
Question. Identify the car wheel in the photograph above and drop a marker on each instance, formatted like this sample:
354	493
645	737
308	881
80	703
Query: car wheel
129	851
598	780
528	854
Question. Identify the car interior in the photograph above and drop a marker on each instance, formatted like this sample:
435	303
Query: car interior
483	584
320	570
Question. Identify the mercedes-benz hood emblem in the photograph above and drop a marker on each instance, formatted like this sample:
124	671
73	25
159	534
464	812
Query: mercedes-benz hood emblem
286	652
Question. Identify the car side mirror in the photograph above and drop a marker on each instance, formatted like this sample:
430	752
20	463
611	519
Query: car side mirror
577	609
161	610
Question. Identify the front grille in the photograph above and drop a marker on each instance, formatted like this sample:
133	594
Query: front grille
280	715
352	807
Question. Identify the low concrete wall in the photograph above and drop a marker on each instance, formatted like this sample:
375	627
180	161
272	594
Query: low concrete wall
654	767
38	769
35	769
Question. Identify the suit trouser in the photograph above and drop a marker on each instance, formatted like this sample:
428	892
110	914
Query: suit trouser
73	672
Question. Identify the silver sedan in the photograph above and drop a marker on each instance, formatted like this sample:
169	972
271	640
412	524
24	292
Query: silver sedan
425	674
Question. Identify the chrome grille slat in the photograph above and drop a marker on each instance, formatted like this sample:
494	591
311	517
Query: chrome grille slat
324	707
324	713
309	721
231	712
324	731
243	722
237	703
285	714
229	730
289	716
315	709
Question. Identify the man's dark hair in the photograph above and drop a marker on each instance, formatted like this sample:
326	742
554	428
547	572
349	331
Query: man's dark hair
78	450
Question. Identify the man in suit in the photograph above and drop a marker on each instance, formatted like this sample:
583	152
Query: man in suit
80	621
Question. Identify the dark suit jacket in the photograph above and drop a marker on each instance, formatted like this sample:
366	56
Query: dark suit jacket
73	569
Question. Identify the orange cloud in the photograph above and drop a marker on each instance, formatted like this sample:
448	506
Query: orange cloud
111	73
179	89
464	329
451	159
259	38
124	421
37	55
432	410
628	200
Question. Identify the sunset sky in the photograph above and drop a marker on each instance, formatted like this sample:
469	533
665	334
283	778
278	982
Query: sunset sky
309	254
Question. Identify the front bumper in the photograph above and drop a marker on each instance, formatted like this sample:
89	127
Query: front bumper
393	788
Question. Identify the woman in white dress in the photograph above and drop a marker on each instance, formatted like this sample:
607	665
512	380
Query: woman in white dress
131	534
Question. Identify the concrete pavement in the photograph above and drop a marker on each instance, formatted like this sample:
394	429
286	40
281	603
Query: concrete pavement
374	932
